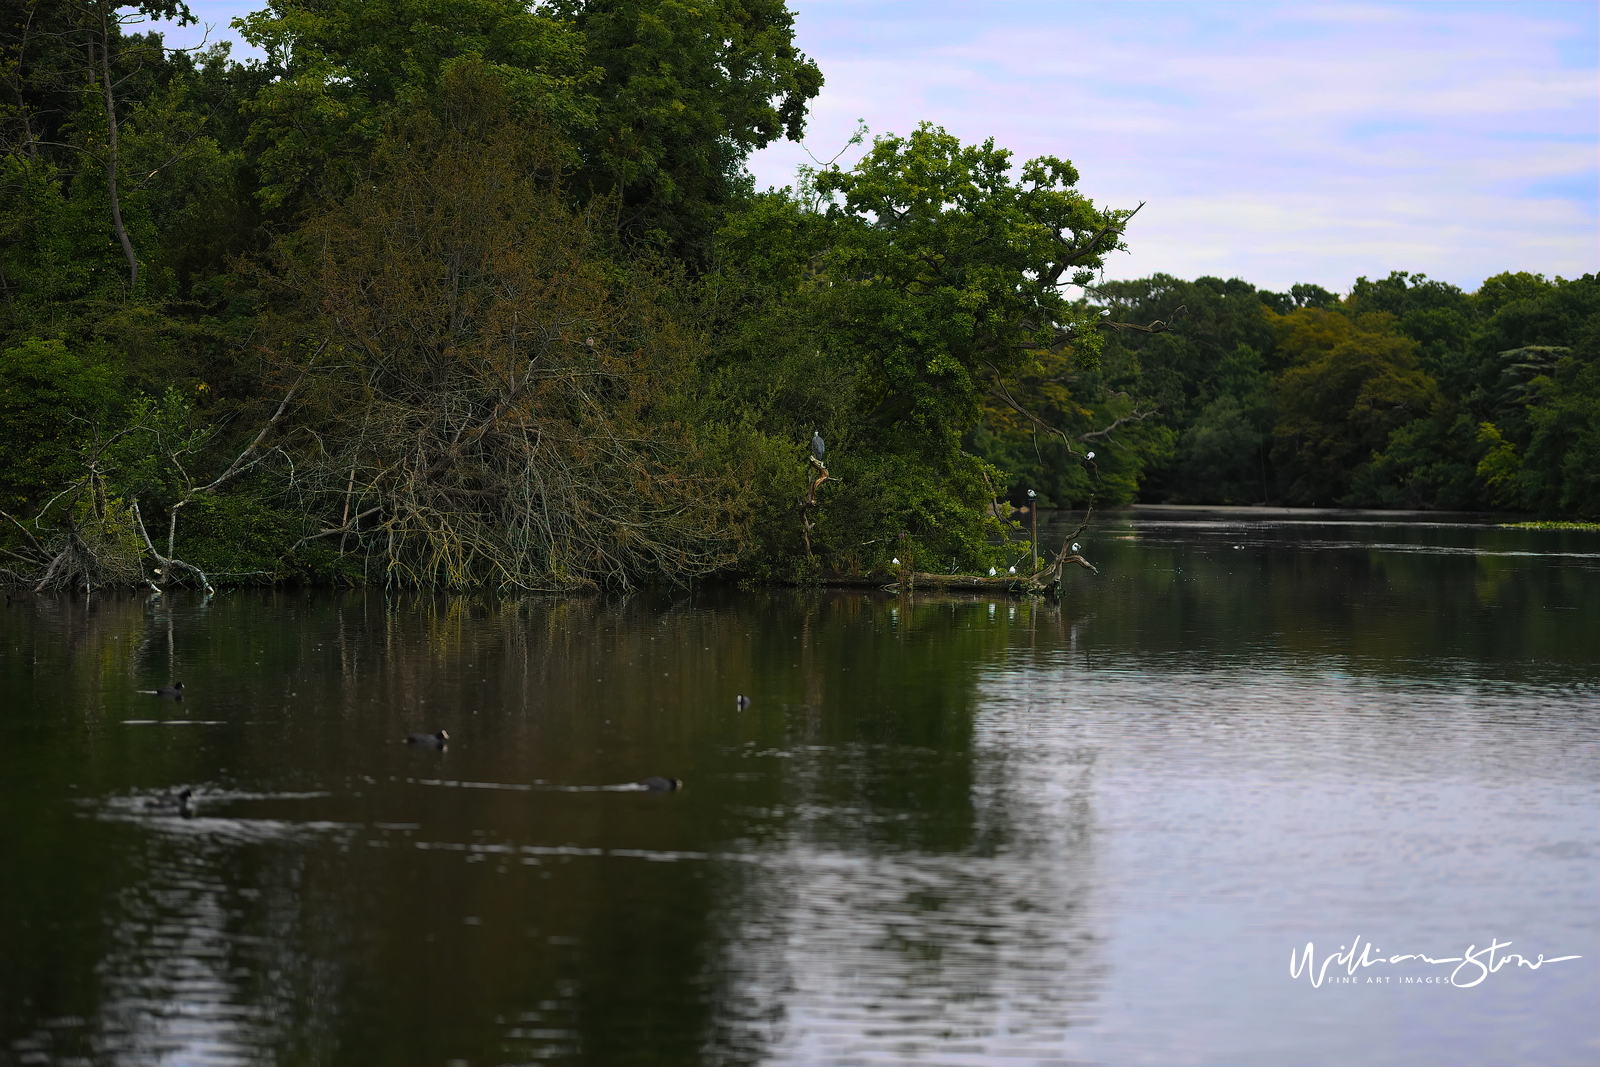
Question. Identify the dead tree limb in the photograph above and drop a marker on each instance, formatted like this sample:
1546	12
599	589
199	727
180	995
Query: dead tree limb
168	563
1137	416
112	158
1156	326
348	527
25	531
241	462
810	503
1053	571
1001	393
1071	254
1006	583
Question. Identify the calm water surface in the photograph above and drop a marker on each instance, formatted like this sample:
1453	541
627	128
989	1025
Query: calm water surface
948	830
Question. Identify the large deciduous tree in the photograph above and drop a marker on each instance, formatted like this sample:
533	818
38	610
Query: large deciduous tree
892	302
954	274
688	90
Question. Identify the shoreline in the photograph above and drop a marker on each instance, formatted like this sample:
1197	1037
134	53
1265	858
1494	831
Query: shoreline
1273	511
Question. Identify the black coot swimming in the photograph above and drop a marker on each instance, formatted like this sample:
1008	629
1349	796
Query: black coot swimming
428	740
657	784
178	802
166	692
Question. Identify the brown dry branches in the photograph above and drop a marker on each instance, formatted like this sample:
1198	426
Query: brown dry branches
501	403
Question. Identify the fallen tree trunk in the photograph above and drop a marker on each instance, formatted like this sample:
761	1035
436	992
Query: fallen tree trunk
1047	580
1042	582
1004	583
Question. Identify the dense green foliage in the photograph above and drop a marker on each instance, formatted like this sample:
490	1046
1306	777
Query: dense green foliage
451	292
894	301
1408	393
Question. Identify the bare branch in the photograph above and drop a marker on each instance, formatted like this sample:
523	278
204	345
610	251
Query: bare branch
25	531
1072	254
1157	326
1137	416
1053	572
239	463
1000	392
348	527
1082	526
166	562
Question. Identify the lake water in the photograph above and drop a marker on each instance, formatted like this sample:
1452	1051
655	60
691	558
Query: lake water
948	829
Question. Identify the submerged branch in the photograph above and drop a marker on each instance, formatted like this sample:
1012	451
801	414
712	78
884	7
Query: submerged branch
1062	558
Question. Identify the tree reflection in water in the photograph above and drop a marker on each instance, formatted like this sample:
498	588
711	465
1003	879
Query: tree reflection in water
944	830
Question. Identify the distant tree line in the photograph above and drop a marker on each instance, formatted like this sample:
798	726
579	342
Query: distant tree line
464	294
1407	393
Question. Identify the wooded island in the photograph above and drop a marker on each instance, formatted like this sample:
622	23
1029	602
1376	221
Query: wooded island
466	294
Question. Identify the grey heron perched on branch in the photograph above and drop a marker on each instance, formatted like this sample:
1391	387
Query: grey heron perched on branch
817	447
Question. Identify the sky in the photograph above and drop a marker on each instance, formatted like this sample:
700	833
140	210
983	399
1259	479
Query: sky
1275	142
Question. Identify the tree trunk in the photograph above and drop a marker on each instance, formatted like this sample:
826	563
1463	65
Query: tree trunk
111	157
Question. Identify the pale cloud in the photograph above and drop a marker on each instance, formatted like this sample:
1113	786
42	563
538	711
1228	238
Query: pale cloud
1276	142
1189	236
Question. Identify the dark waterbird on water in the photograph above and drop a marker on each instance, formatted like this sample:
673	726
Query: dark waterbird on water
178	802
166	692
435	740
658	784
741	702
